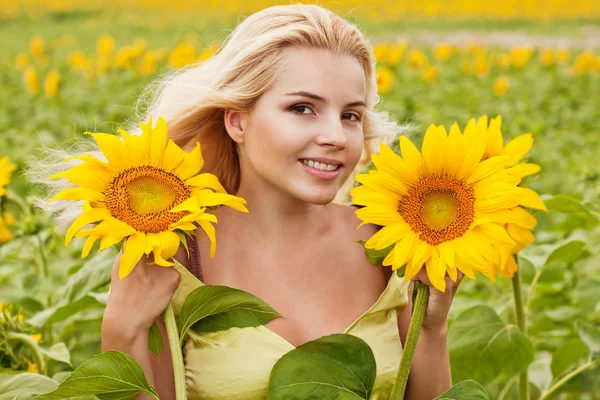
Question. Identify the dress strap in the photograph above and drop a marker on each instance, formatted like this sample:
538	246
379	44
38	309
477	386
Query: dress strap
193	263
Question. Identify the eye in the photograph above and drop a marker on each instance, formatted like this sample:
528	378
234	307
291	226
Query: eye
357	116
294	108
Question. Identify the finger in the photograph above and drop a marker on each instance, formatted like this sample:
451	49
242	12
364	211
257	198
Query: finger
422	277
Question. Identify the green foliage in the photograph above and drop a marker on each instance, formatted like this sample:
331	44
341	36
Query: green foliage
465	390
340	366
483	347
110	375
216	308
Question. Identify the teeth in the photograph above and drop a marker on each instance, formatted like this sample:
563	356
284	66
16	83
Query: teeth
320	166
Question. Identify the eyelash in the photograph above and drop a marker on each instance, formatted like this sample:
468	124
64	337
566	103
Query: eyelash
358	118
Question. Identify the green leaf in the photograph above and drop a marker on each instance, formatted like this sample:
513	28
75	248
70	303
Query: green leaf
215	308
589	334
465	390
76	295
376	257
155	339
24	386
111	375
565	204
482	346
58	352
567	355
569	250
340	366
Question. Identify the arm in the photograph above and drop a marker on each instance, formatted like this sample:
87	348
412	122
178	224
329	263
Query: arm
158	370
430	371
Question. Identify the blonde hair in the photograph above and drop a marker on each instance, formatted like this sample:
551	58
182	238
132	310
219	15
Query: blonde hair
192	99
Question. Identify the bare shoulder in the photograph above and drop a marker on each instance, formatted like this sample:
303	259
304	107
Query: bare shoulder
352	223
349	224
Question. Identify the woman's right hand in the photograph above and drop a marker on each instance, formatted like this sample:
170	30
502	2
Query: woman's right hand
136	301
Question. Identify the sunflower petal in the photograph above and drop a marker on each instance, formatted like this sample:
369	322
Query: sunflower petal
532	200
206	181
210	232
157	140
387	235
379	216
525	169
208	198
132	253
113	149
487	168
411	156
456	152
87	245
78	194
137	146
436	270
519	147
174	156
95	215
87	175
433	149
192	163
495	145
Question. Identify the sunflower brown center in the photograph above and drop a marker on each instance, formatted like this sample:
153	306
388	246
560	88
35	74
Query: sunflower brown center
142	197
438	207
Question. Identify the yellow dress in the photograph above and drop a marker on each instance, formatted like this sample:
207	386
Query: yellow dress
236	363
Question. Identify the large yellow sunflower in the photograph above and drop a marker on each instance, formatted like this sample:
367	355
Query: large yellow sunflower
443	207
148	191
518	221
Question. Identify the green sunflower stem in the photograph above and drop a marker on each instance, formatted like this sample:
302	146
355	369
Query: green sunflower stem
176	354
520	311
30	342
408	353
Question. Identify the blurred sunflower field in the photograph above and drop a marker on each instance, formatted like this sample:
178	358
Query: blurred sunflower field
74	66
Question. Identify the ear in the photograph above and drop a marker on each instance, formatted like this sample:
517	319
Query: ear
235	122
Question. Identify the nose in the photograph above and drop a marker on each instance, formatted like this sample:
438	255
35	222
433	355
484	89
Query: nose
332	133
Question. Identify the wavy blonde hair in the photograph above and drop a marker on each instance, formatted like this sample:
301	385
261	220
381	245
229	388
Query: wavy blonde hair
192	99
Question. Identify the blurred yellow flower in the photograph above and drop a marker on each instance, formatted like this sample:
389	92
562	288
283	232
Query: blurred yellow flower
416	59
385	79
32	368
430	73
51	84
36	46
148	64
547	57
501	85
396	53
563	56
77	60
21	61
31	79
5	233
443	51
585	62
37	337
381	52
521	55
105	45
6	170
503	60
182	55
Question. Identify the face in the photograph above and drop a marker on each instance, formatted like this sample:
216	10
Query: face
305	136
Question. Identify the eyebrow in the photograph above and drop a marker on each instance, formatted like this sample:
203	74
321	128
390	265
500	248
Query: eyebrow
323	99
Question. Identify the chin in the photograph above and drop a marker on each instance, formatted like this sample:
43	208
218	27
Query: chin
319	197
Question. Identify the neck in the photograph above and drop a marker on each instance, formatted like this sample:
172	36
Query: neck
279	217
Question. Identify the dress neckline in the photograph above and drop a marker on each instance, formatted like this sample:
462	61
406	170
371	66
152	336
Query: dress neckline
393	281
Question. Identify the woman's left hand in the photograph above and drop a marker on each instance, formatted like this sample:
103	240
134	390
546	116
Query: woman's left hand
436	315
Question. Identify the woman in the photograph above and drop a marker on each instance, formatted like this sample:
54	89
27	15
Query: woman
284	112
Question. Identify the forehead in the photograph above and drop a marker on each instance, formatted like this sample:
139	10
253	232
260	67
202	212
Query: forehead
336	77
